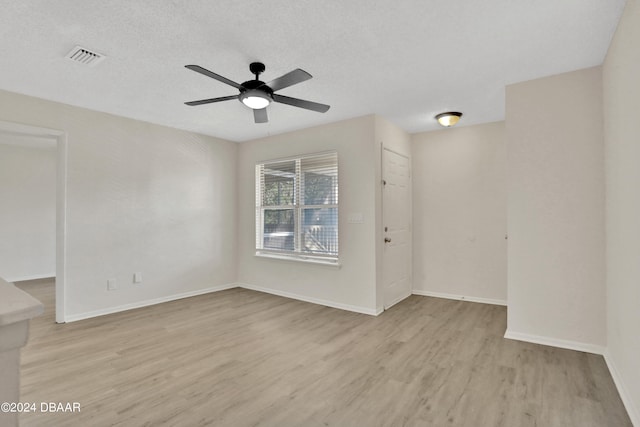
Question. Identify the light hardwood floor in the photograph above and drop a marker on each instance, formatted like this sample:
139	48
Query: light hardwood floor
242	358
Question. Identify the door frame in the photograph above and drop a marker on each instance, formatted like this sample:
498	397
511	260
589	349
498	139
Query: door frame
382	202
60	136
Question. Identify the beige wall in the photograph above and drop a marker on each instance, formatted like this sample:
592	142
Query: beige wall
140	198
356	284
555	192
353	285
28	214
460	213
622	152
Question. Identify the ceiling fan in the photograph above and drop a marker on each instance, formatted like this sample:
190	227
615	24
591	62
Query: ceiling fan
257	95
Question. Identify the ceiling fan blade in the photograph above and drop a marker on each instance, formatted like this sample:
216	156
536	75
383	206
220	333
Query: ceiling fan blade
204	71
260	116
211	100
291	78
309	105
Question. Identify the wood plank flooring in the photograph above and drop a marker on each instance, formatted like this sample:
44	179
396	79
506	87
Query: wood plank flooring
242	358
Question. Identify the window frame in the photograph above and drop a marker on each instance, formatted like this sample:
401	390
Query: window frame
298	208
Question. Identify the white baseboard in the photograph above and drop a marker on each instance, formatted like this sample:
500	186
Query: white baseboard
554	342
401	298
632	409
145	303
459	297
32	277
332	304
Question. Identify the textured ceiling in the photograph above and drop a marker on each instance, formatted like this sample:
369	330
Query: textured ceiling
405	60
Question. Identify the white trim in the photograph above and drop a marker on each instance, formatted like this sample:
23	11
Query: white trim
61	227
632	410
140	304
347	307
395	152
555	342
460	297
32	277
331	262
296	157
145	303
397	300
19	128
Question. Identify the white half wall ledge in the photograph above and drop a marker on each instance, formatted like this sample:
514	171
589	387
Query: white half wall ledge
327	303
459	297
632	410
555	342
36	277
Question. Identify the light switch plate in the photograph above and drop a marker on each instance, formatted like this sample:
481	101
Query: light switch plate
355	218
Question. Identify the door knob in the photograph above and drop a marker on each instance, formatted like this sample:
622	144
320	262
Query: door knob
387	240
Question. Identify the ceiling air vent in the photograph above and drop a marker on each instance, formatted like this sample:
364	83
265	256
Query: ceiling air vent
85	56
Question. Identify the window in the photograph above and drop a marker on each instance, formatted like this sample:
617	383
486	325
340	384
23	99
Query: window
297	208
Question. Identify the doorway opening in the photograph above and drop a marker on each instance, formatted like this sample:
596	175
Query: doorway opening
26	134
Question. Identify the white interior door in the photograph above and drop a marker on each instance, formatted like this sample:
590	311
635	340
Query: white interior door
396	218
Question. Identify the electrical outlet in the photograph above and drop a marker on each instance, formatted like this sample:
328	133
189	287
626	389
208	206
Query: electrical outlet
137	277
112	284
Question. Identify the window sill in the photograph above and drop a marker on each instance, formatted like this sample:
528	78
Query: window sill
299	258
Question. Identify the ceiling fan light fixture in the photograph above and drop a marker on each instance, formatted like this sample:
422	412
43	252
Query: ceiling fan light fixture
449	118
255	99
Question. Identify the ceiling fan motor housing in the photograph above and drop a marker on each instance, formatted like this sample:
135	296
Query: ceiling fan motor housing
255	84
255	89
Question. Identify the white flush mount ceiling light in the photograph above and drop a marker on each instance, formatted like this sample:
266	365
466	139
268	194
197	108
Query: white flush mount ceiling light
448	119
255	99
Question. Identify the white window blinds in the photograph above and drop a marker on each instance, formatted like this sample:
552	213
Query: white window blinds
297	207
